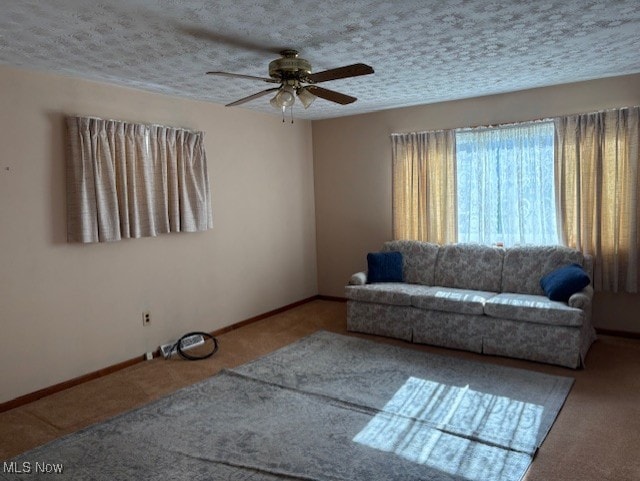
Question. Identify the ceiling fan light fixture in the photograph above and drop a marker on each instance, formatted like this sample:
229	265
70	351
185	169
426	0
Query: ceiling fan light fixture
306	97
284	98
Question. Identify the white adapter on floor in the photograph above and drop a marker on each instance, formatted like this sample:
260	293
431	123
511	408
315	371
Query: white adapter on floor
186	343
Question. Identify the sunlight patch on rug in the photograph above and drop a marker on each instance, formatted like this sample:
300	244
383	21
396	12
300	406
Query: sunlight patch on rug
455	429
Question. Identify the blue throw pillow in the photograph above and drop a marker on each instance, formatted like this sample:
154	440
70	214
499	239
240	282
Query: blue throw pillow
561	284
384	267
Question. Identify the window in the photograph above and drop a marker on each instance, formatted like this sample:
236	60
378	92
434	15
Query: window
505	185
512	185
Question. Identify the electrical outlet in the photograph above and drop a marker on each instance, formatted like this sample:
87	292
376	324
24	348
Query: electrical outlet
146	318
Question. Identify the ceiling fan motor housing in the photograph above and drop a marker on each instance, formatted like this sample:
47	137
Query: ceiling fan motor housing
289	67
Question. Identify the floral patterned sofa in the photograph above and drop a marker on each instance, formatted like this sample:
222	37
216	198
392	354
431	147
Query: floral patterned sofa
477	298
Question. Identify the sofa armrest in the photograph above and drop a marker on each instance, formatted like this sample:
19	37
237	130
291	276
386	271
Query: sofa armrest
582	299
358	279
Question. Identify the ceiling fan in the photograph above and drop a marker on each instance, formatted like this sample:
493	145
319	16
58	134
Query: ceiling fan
295	78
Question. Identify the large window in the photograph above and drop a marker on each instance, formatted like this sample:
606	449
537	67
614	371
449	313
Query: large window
574	180
505	185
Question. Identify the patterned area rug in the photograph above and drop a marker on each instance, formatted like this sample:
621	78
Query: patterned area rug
326	408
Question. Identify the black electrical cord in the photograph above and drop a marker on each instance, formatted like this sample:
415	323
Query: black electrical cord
197	357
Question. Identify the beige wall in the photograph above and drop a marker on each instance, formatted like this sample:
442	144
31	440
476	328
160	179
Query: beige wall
352	162
69	309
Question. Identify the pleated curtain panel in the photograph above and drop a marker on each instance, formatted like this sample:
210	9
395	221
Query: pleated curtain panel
596	170
424	186
127	180
597	186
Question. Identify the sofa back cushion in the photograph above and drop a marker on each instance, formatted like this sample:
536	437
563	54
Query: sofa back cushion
470	266
418	258
525	266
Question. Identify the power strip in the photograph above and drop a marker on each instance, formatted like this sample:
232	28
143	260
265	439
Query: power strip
187	343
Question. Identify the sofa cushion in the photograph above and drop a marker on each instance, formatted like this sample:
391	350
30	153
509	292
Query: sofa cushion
384	267
533	308
393	293
450	299
470	266
562	283
419	260
525	266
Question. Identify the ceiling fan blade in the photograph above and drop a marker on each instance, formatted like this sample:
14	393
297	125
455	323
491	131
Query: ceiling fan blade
251	97
330	95
347	71
239	75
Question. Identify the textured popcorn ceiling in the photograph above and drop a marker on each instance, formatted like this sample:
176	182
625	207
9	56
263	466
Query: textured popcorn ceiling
422	51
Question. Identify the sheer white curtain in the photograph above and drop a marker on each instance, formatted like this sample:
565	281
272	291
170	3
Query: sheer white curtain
598	181
505	185
128	180
424	186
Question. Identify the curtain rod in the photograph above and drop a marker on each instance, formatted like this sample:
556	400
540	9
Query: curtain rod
92	117
480	128
514	124
542	119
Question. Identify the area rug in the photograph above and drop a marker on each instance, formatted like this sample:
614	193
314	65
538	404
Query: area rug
326	408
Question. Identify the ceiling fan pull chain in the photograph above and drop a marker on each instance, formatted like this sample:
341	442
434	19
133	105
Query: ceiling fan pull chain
291	111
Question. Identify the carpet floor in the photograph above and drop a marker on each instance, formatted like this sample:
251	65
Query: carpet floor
594	438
